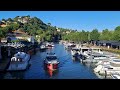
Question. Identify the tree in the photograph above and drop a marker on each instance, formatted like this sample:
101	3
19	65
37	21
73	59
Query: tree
28	16
49	24
10	20
94	35
84	36
15	26
116	34
16	18
106	35
3	20
2	34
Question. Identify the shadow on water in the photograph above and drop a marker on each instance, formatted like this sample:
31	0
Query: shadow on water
14	75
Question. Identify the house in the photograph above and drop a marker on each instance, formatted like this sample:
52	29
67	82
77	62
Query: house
15	35
23	20
67	32
11	37
3	24
116	45
20	35
112	44
58	30
3	40
24	36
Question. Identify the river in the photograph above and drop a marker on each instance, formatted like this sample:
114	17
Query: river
68	68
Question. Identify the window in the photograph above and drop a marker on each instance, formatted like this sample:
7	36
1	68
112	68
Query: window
51	58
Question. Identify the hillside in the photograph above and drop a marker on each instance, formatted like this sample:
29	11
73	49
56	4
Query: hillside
31	25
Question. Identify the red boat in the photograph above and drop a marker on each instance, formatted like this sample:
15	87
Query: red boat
51	62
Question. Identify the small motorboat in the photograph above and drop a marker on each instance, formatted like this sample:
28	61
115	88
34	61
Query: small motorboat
42	47
75	51
51	61
50	45
115	76
20	61
112	66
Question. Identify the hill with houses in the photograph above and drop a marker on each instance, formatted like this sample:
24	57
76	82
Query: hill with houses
23	27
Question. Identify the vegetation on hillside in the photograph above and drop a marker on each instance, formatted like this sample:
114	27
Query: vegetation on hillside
46	32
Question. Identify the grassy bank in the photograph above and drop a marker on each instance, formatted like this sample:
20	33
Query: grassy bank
111	50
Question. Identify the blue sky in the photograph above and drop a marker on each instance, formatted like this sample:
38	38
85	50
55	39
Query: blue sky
80	20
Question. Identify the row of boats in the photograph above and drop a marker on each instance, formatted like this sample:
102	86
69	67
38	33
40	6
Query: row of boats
106	64
21	60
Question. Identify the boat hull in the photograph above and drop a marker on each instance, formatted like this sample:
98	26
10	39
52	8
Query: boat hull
19	66
51	66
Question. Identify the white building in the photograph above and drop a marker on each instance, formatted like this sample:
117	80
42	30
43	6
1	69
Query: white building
31	39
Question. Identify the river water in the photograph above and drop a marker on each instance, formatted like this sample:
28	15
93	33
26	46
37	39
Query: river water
68	68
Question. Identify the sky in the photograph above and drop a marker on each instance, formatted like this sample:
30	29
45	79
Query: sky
77	20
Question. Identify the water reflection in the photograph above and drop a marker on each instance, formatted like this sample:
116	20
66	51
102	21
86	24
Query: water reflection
14	75
51	72
75	59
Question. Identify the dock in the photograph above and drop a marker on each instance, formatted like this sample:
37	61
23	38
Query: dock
4	64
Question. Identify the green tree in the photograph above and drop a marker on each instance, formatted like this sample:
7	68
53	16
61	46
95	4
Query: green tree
116	34
49	24
94	35
4	20
106	35
10	20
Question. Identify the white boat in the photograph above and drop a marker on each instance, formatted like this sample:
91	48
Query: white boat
50	45
42	47
51	61
96	58
111	67
115	76
75	51
111	56
20	61
96	50
99	57
103	62
84	51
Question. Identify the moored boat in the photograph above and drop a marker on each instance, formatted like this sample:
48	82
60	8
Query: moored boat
20	61
111	67
42	47
115	76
